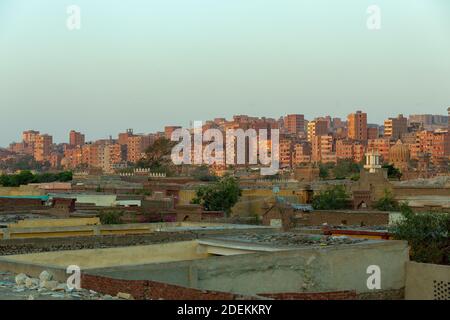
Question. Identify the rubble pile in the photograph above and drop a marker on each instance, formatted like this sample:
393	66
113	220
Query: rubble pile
295	239
45	287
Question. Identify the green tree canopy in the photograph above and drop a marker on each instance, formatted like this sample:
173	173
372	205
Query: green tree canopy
393	172
221	195
324	170
157	156
426	233
111	217
387	202
346	168
333	198
203	173
25	177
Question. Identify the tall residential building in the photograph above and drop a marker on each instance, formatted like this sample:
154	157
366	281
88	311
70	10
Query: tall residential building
434	143
302	153
350	150
395	127
357	126
448	120
76	138
372	133
136	146
317	128
286	153
30	136
168	130
441	147
380	145
429	121
322	149
123	137
42	147
294	123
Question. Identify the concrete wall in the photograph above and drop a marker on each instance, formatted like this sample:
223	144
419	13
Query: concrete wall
25	190
338	217
401	192
304	270
122	256
100	200
35	245
427	281
57	231
45	223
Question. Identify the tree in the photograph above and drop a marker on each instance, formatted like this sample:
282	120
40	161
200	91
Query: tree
111	217
202	173
426	233
25	177
220	196
157	156
333	198
393	172
23	162
387	202
345	168
323	171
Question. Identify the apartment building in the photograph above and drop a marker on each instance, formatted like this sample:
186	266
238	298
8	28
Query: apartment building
302	153
350	150
42	147
357	126
322	149
317	128
168	130
373	133
395	127
76	138
294	123
382	145
136	146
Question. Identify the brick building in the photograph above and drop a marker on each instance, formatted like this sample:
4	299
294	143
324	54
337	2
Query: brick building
357	126
395	127
382	145
294	123
322	149
317	128
42	147
76	138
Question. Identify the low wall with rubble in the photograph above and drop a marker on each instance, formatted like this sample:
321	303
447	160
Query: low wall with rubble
334	295
152	290
159	233
337	268
35	245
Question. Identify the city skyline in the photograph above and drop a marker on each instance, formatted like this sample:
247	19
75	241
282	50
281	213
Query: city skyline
295	141
144	64
87	137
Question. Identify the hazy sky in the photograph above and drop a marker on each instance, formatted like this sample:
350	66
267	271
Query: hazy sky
145	63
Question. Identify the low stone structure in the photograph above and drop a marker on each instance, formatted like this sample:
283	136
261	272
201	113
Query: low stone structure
345	217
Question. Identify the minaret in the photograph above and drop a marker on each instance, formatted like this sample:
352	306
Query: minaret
372	161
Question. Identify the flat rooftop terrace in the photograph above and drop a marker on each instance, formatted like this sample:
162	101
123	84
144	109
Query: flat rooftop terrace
278	240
